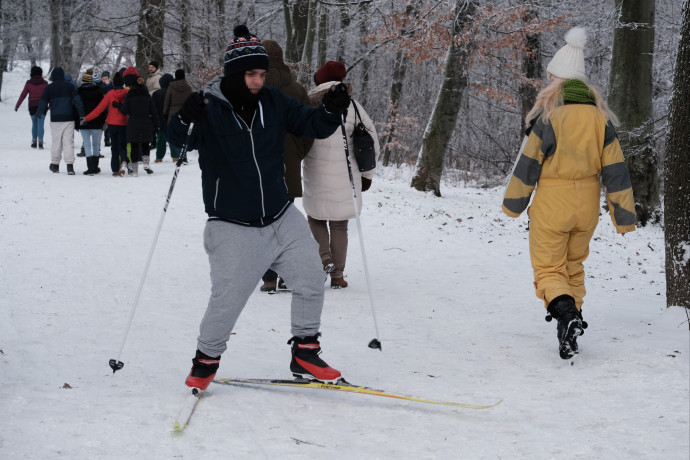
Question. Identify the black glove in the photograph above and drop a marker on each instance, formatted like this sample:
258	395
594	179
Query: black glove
193	109
366	183
336	99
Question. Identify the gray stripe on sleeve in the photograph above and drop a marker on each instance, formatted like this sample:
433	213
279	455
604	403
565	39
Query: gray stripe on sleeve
615	177
527	170
609	134
623	216
516	205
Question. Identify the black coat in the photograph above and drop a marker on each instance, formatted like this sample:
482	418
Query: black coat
142	122
159	99
91	95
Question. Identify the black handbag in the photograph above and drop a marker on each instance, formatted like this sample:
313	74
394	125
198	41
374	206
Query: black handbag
363	144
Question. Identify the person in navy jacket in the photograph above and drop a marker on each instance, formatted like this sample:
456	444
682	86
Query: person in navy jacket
239	130
62	99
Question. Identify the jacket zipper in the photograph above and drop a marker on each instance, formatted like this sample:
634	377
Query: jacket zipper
215	198
256	163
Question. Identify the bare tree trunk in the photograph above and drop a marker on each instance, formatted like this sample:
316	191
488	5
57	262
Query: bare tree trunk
61	35
299	21
630	96
531	67
342	36
308	51
323	39
185	36
677	177
150	34
445	113
366	63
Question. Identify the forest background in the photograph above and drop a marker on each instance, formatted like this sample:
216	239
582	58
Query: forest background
448	82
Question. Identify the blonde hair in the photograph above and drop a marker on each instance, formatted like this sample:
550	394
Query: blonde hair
551	98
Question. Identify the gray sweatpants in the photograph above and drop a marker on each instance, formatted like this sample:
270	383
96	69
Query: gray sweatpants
240	255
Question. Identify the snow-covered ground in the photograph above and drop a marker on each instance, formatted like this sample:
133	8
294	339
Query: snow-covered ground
458	319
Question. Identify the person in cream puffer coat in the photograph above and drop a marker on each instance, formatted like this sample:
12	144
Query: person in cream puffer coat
327	196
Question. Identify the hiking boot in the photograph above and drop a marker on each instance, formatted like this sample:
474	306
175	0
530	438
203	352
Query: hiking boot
338	283
70	170
306	362
158	160
54	168
33	143
268	286
203	370
40	144
570	325
328	265
123	168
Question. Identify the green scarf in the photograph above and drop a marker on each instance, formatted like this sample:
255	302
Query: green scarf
577	91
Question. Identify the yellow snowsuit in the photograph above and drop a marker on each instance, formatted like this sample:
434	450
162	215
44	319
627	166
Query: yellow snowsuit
562	158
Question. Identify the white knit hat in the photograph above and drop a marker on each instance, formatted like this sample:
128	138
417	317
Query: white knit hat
569	61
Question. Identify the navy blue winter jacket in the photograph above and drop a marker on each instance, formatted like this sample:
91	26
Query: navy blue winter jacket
62	97
242	167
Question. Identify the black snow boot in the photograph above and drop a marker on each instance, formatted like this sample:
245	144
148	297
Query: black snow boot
82	152
306	362
570	325
89	166
70	170
203	370
33	143
96	169
54	168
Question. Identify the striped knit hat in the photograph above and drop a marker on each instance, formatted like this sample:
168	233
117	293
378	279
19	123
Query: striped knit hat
244	52
88	76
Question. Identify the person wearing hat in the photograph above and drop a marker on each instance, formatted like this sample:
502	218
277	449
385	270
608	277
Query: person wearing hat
117	124
571	141
327	188
153	80
91	95
279	76
62	99
239	130
178	92
158	97
34	88
106	86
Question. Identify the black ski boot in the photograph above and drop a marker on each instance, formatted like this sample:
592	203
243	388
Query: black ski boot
203	370
570	325
306	362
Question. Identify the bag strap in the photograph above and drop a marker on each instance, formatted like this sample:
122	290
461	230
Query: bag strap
357	115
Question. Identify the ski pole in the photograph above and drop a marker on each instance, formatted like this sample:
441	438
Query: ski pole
375	342
116	364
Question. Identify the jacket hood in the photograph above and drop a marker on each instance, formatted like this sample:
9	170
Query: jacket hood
57	74
165	80
213	88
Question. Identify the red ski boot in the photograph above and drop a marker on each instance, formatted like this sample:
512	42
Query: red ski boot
203	370
306	362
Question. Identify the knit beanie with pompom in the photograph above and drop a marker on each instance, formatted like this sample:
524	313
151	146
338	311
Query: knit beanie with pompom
569	61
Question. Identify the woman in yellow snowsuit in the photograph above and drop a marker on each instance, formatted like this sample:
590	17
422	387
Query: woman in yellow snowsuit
572	141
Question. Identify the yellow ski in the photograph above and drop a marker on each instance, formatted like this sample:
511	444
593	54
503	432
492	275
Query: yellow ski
343	385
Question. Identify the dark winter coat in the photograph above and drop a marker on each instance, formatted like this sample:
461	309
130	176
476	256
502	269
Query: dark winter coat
34	88
91	96
158	97
242	170
178	92
105	87
138	106
62	98
296	149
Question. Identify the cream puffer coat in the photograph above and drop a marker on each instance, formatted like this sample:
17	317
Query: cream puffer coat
327	190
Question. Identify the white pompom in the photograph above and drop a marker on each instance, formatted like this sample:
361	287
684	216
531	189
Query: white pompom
577	37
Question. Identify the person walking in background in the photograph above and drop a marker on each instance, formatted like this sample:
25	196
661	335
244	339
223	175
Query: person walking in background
62	99
178	92
571	141
327	189
34	88
252	226
117	125
106	86
141	124
91	96
158	103
153	80
296	148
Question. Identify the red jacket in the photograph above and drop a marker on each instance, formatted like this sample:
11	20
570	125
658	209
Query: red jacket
34	88
115	117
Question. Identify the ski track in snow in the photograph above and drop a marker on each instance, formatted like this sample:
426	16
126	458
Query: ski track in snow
454	300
